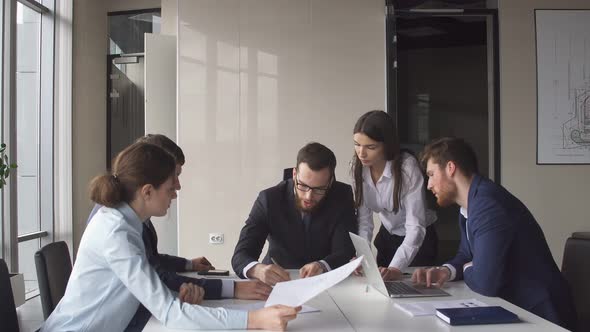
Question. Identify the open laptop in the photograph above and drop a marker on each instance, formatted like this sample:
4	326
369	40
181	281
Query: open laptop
388	288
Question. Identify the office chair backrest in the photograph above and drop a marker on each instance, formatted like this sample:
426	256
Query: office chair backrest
8	315
287	173
576	269
53	272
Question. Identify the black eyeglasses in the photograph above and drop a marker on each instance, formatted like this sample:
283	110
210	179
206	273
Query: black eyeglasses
320	191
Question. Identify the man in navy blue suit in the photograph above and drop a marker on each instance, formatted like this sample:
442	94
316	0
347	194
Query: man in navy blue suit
503	251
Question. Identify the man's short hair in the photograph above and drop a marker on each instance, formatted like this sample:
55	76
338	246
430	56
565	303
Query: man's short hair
165	143
445	149
317	157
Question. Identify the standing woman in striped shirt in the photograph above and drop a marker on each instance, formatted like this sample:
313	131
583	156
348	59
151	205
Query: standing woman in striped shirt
389	182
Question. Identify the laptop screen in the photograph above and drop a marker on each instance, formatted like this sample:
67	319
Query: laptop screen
370	268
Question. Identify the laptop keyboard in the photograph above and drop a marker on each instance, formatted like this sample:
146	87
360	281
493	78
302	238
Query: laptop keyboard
400	288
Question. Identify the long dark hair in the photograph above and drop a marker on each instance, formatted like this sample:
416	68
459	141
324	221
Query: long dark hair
137	165
378	126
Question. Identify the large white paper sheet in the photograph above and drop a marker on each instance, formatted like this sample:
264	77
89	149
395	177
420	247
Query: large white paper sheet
251	306
296	292
428	308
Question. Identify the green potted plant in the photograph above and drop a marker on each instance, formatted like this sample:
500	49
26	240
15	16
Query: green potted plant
4	166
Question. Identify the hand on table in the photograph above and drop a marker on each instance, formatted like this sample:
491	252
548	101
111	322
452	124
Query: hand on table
390	273
251	290
201	264
269	274
311	269
191	293
430	276
273	318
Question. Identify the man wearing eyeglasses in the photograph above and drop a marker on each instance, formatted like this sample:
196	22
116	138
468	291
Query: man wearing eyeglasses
305	219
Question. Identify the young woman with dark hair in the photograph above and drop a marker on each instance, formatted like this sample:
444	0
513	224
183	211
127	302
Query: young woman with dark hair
389	182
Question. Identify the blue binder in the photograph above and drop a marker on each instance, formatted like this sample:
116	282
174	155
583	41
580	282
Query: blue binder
477	315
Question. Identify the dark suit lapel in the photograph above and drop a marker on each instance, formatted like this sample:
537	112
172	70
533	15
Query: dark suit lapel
464	229
294	218
471	202
293	214
473	189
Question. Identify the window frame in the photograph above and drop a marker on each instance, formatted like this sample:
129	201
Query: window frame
9	207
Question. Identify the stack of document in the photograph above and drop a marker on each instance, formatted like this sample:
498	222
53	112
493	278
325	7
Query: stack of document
428	308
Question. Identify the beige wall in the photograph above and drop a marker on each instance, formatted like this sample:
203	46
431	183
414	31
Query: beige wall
556	195
88	105
169	17
90	47
257	80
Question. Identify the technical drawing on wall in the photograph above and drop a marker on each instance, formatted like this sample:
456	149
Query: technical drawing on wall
576	131
563	86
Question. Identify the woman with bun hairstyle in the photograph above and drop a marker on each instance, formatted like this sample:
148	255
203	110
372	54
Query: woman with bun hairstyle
112	276
389	182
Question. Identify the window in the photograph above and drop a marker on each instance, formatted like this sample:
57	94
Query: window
2	232
27	115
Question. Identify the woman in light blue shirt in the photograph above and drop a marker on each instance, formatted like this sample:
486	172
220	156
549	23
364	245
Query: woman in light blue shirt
112	276
389	182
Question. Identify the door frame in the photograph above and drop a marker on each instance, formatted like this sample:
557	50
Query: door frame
391	68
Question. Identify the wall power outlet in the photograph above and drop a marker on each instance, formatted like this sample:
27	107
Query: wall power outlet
216	238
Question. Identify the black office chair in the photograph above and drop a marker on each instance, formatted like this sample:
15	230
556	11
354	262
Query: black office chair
53	272
287	173
8	315
576	269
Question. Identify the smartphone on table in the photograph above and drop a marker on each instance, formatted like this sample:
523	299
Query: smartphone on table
214	273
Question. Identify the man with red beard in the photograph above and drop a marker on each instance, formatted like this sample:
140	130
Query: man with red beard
503	251
306	220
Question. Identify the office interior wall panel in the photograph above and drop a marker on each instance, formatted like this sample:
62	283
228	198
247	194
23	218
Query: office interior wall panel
555	194
258	79
160	118
88	105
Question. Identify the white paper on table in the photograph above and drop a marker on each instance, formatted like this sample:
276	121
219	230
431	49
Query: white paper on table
428	308
260	305
296	292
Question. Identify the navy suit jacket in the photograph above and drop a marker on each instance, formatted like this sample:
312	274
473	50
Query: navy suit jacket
275	217
167	266
511	258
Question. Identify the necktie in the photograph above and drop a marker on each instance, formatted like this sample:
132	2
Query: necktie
306	223
307	228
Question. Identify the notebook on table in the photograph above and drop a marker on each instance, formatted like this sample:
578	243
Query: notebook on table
477	315
388	288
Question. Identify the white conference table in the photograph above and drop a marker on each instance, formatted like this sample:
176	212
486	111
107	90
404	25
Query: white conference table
351	306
